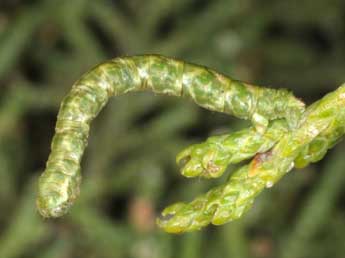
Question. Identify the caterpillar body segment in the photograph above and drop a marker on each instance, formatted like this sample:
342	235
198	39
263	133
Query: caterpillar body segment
59	184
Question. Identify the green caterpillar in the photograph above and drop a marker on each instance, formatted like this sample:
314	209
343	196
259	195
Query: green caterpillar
59	184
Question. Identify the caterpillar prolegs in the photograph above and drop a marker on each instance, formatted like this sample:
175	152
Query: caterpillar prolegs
59	184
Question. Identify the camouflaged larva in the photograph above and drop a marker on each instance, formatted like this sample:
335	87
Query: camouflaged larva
59	184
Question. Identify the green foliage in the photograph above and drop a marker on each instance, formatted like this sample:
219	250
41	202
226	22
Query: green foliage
324	119
44	48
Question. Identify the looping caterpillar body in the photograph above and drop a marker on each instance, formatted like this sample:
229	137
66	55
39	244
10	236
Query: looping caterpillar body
59	184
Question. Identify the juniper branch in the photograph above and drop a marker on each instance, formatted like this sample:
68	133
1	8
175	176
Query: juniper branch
322	125
211	158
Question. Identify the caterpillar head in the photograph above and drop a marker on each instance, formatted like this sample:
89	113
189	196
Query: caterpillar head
52	206
57	193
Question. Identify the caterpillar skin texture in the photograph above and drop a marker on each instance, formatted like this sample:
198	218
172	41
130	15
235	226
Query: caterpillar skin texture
59	184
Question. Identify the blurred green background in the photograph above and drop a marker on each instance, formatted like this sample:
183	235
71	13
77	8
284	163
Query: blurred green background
129	169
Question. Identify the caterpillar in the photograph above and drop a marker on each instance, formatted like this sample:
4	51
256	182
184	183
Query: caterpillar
59	184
